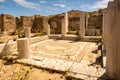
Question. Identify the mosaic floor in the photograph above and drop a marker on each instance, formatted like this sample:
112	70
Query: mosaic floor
62	49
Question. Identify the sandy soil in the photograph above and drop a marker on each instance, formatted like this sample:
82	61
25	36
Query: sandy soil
15	71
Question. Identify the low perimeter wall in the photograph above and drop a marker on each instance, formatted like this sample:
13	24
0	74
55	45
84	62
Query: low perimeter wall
13	45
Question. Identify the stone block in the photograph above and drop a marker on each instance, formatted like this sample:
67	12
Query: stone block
23	48
27	32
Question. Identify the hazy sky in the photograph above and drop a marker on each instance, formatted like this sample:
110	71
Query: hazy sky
49	7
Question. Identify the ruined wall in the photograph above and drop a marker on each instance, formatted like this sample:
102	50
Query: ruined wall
55	24
74	23
7	23
94	26
39	24
26	21
56	20
18	23
36	22
74	20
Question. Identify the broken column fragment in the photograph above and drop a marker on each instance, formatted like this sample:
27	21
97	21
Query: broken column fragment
48	30
64	30
7	49
23	48
27	32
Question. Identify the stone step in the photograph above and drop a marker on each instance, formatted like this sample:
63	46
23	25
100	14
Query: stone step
73	69
49	63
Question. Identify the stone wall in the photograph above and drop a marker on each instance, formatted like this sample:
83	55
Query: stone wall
55	24
39	23
7	23
26	21
94	23
74	23
73	19
36	22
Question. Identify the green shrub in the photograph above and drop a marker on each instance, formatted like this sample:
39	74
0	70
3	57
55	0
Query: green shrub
19	32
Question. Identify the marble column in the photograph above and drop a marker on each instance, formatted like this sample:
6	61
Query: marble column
112	39
23	48
82	25
66	21
48	30
87	17
28	32
64	30
104	33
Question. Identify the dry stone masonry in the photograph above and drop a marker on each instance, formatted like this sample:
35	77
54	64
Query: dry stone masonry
48	53
94	23
7	24
38	23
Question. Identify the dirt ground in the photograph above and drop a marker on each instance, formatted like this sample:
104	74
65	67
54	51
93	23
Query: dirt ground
15	71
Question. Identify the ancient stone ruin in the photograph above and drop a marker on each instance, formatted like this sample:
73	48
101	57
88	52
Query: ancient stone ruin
7	24
38	23
81	45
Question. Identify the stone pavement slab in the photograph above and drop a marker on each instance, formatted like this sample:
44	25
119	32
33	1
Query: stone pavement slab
84	72
49	63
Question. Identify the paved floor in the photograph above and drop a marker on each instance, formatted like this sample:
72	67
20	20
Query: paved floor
79	59
62	49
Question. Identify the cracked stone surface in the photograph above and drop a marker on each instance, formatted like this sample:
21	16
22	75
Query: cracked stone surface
61	49
53	54
50	63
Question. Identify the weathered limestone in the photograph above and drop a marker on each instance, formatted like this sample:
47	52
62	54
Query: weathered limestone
48	30
65	24
7	49
7	23
26	21
82	25
38	39
27	32
66	21
74	23
94	23
104	29
112	39
39	23
64	29
87	17
23	48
